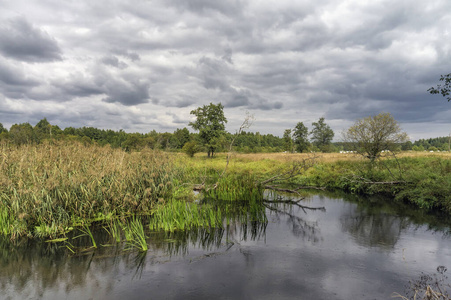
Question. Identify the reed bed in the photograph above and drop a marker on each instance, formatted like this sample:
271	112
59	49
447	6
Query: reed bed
136	236
46	189
240	187
213	214
52	188
182	215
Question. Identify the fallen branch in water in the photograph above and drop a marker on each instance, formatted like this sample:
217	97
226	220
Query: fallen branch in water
293	202
301	227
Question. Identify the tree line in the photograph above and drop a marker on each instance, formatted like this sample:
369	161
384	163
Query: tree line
212	137
179	140
298	140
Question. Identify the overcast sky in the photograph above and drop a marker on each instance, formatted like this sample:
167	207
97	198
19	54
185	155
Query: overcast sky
142	65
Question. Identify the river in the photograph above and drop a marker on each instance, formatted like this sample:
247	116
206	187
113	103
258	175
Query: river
351	248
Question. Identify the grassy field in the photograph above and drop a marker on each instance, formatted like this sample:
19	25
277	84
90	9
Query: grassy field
331	157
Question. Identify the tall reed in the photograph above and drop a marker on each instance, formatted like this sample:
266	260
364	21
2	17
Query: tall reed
182	215
136	237
57	184
241	187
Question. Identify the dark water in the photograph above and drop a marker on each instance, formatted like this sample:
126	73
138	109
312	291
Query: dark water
348	250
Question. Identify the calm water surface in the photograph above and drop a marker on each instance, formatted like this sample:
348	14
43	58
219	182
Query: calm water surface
347	250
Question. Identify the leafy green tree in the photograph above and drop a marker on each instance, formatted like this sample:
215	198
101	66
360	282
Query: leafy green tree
43	126
164	140
2	129
179	138
300	135
210	122
407	146
322	135
22	134
445	89
43	129
287	141
150	142
134	141
372	135
4	135
191	148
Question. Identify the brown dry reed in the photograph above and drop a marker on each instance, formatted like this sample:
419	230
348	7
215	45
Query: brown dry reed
48	188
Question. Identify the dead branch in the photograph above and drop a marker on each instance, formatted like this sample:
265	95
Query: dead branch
297	168
301	227
397	162
199	187
294	202
246	124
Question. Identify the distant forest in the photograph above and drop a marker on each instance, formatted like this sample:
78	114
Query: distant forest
25	133
246	142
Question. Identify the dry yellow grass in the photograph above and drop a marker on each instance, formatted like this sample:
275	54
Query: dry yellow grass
288	157
445	155
58	184
328	157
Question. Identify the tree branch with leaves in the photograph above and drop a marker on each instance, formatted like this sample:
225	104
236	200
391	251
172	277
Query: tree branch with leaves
445	89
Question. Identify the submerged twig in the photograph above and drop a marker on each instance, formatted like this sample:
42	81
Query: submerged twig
296	203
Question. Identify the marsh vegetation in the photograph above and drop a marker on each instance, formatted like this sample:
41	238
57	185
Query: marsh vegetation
49	189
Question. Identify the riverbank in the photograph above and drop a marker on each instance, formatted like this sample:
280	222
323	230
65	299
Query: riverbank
47	190
422	179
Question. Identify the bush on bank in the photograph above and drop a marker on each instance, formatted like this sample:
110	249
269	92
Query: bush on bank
422	181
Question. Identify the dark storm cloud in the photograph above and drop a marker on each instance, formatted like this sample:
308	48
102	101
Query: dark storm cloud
179	102
214	73
228	55
264	104
385	86
127	92
14	76
22	41
80	89
114	61
185	102
176	119
217	74
202	7
130	55
237	99
13	81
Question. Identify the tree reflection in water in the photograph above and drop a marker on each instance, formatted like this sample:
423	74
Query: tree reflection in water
283	205
381	230
378	222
